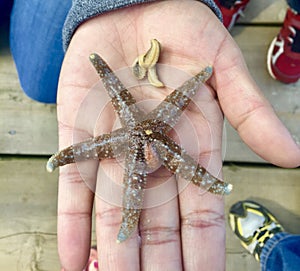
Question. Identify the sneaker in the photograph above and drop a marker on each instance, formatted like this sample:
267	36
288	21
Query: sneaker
231	10
253	224
284	53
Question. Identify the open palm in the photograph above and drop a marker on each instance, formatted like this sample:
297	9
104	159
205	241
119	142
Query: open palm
185	232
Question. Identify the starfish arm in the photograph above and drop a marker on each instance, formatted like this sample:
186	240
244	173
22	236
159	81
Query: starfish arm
121	99
134	185
100	147
180	163
170	109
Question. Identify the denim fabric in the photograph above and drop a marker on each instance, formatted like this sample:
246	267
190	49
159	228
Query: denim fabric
36	45
281	253
294	4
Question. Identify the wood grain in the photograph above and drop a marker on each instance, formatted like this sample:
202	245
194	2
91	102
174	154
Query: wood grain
264	12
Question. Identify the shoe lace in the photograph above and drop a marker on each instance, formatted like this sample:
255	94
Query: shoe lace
262	234
291	33
294	39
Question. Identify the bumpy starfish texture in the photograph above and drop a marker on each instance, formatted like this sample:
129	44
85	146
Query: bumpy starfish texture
143	138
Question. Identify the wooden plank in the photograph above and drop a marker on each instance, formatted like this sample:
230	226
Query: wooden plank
264	12
28	201
28	127
28	215
28	204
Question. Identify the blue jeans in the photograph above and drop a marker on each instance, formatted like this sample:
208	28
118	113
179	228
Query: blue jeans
36	45
281	253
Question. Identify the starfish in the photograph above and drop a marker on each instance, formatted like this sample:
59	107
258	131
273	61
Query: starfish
143	138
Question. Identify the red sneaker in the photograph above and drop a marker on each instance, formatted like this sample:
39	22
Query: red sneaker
231	10
284	53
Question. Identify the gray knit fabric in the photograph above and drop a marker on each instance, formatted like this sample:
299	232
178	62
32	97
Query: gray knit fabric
82	10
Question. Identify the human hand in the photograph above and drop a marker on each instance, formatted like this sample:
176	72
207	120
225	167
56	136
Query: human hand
186	231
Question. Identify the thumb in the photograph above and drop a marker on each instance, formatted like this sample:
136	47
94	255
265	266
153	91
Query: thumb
249	112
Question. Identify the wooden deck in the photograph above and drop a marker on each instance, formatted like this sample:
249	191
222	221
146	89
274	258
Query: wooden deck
28	134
